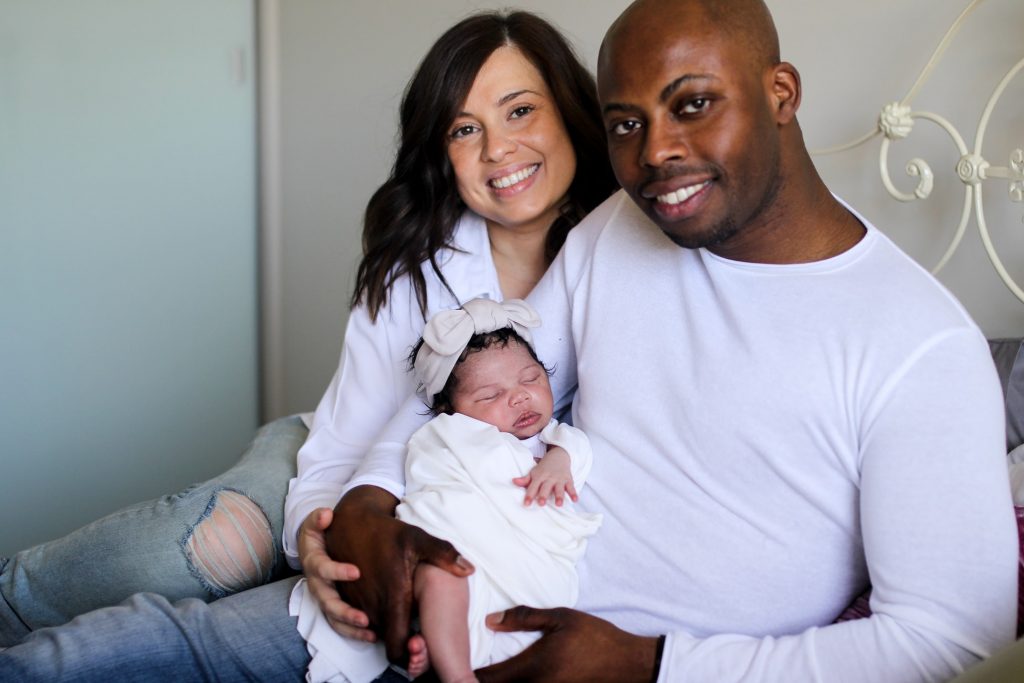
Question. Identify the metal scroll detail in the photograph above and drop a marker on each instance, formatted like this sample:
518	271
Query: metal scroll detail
896	122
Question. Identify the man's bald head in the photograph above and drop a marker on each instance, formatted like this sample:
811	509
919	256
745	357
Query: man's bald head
748	22
701	124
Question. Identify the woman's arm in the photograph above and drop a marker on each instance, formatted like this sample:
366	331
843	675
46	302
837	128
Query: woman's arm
367	390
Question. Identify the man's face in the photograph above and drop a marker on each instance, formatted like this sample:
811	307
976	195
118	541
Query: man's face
691	131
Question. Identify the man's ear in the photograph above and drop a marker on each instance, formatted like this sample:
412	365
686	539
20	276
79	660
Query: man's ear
784	91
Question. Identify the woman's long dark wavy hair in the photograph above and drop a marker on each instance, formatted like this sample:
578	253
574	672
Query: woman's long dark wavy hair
413	214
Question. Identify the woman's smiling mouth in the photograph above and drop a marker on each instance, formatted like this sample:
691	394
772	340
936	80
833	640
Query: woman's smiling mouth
514	178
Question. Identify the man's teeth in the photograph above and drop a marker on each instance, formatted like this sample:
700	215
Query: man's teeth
517	177
682	194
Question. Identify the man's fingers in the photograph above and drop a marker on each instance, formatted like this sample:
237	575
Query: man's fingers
396	633
523	619
442	554
518	668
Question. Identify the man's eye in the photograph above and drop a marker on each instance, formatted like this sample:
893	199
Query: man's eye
625	127
695	106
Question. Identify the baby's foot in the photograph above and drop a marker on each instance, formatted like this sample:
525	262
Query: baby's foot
419	658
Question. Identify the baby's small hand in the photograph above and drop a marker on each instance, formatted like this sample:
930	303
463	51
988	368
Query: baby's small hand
549	478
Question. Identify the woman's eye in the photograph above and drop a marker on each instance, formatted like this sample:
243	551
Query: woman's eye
462	131
521	111
625	127
695	106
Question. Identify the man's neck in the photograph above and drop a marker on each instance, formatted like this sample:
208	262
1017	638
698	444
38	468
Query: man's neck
803	224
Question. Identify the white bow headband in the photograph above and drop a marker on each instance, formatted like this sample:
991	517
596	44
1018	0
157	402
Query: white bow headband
447	334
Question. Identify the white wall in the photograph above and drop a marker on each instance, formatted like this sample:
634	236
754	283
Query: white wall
343	65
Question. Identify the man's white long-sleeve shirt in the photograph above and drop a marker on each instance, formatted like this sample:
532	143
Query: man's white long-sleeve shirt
769	438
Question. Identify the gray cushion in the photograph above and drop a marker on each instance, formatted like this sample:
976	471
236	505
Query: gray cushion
1008	355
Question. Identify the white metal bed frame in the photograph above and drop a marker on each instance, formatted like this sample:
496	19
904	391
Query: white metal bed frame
896	122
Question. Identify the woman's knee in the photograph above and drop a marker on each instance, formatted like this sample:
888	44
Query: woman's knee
231	547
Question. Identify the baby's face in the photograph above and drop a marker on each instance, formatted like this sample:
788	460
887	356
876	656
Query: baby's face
505	387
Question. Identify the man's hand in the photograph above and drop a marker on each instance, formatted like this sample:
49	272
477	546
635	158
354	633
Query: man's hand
322	572
574	647
365	533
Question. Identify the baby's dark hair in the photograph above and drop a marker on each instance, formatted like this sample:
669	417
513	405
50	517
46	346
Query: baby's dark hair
442	403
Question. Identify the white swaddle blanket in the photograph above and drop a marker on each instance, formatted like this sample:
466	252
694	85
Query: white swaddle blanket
459	488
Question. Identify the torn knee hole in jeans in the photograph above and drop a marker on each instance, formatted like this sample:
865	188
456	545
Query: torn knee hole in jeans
231	548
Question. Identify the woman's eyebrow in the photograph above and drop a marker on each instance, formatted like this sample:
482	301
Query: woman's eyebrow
504	99
514	94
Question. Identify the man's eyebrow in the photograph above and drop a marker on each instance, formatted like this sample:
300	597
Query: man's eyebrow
616	107
669	89
663	96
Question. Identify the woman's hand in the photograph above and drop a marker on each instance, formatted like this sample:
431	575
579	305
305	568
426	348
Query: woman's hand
365	532
549	478
321	574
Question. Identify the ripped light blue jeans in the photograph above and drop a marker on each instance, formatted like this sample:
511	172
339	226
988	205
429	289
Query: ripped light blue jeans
244	637
211	540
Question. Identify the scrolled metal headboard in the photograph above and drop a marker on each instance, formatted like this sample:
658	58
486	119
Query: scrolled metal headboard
896	122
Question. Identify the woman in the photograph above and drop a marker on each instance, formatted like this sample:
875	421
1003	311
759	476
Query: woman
501	152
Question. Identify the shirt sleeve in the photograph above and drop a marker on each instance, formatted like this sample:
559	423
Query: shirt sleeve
939	540
576	444
384	464
369	387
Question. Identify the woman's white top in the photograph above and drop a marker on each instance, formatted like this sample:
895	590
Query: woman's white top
373	381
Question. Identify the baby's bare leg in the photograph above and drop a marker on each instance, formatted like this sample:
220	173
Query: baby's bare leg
444	608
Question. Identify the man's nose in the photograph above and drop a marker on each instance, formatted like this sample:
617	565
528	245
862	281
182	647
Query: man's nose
662	143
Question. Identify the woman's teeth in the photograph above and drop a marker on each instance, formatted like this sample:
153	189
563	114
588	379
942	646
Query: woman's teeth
517	177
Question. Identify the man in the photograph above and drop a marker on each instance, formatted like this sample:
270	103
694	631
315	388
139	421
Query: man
777	408
782	406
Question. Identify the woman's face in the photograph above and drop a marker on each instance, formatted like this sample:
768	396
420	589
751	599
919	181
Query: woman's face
512	156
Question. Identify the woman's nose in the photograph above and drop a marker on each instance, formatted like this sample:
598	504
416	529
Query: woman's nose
497	147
